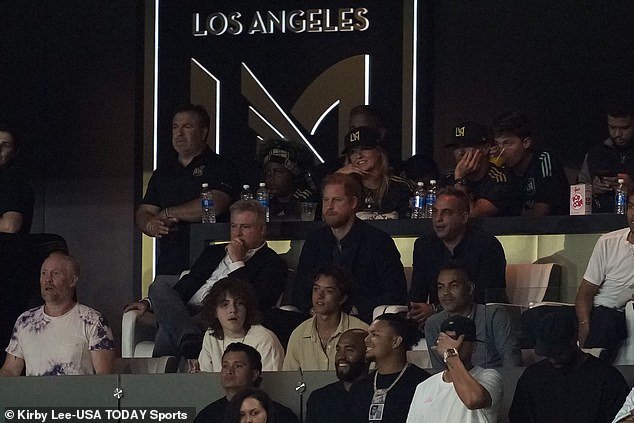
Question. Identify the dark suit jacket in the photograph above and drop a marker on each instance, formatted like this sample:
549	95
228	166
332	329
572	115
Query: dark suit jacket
266	271
368	253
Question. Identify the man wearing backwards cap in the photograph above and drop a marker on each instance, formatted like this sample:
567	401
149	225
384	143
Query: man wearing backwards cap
463	392
569	385
491	191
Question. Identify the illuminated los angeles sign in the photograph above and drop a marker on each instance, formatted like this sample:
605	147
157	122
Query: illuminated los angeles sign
283	21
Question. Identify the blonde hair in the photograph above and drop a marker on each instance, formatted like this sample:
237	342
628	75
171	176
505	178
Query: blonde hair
384	184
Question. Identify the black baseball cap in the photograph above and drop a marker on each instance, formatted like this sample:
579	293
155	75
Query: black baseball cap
362	136
468	134
555	332
461	325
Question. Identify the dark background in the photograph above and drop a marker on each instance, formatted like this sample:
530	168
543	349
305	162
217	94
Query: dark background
71	78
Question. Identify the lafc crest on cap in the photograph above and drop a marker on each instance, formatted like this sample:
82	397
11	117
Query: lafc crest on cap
354	136
460	131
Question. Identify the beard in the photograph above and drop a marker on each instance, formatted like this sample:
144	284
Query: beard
353	371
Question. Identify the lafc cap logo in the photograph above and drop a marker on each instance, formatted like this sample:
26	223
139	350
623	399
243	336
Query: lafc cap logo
355	136
460	131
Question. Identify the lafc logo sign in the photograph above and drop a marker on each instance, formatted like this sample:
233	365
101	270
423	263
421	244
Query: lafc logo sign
341	87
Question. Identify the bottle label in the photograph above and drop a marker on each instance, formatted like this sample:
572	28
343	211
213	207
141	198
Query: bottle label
264	203
207	203
419	202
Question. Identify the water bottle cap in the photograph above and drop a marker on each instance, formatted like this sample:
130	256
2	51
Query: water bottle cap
245	186
205	185
262	184
420	184
621	181
432	181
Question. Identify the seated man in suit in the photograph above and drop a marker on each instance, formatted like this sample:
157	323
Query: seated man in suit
246	257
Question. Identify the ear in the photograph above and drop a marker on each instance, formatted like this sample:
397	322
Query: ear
74	282
343	300
527	143
355	203
398	340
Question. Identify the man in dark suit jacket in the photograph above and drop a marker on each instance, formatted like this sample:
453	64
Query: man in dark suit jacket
368	253
246	256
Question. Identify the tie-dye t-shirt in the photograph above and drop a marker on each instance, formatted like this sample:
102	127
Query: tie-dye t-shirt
60	345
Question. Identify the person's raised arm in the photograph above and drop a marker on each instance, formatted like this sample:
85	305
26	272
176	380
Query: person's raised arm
473	395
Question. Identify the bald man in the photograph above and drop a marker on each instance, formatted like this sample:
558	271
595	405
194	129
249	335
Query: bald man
325	404
62	337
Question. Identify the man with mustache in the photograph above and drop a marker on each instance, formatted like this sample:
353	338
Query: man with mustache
327	404
500	347
366	252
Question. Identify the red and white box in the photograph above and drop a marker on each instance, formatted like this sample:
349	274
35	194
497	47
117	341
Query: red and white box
580	199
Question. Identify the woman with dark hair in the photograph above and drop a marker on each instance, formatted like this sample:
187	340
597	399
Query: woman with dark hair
250	406
230	309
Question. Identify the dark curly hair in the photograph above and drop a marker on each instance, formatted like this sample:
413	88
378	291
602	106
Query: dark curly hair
237	288
404	328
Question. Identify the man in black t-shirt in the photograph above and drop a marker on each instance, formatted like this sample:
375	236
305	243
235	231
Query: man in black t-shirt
172	199
16	196
491	191
326	404
612	159
385	394
546	187
568	385
241	369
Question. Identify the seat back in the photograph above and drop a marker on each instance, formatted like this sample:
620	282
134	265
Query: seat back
165	364
530	283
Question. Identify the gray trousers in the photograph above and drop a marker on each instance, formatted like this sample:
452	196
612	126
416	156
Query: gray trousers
175	318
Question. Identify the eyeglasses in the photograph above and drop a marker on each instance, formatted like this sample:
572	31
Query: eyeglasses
445	212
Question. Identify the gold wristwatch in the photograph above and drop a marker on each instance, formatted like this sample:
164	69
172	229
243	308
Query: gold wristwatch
451	352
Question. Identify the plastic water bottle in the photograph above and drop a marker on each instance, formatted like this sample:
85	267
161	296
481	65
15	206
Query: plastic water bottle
418	202
246	193
430	198
262	195
207	205
620	198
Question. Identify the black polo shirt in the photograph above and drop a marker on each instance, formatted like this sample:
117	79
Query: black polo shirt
505	193
176	184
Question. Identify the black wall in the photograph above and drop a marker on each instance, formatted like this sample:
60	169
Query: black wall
552	59
70	74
